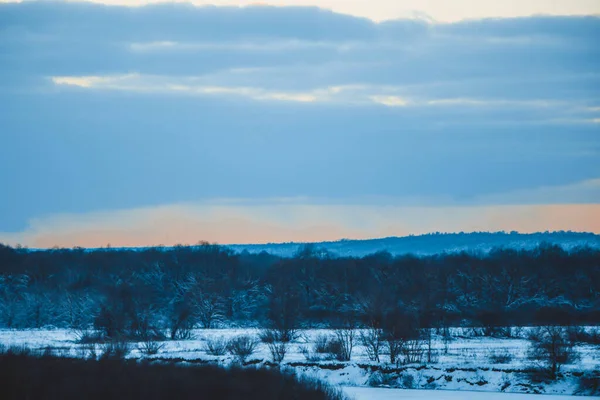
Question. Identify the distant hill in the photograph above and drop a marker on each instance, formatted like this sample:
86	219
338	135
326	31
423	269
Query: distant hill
431	243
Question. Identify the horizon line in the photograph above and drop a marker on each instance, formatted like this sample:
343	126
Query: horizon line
200	243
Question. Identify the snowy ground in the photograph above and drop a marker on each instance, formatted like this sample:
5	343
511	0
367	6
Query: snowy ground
367	393
462	364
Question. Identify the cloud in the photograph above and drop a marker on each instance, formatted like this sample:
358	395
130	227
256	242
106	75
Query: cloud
119	108
137	83
389	9
352	94
537	58
166	47
390	101
587	191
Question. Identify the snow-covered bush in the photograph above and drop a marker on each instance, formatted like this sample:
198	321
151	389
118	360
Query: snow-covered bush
242	347
268	336
278	351
216	346
278	335
150	347
321	344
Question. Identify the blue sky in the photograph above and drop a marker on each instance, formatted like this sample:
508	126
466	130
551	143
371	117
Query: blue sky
173	123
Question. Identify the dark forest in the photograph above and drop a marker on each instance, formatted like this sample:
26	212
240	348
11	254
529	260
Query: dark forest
132	293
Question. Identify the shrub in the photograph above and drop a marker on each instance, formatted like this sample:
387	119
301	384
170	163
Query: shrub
216	346
47	351
308	355
321	344
472	332
269	336
115	350
375	379
85	336
315	384
278	351
87	351
181	333
15	350
278	335
120	320
407	381
242	347
497	331
588	386
379	378
497	357
150	347
337	347
335	350
539	375
287	335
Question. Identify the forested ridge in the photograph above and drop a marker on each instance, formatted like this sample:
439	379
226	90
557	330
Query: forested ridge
134	292
434	243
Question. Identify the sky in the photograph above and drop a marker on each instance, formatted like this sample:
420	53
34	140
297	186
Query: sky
137	124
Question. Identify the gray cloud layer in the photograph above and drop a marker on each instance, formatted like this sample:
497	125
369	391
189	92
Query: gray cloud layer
492	107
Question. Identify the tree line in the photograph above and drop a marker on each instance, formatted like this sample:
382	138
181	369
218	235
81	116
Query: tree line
147	292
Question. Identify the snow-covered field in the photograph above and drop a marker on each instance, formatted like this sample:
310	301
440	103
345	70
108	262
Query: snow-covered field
463	364
367	393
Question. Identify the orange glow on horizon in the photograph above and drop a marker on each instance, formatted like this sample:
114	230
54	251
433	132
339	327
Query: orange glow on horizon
170	225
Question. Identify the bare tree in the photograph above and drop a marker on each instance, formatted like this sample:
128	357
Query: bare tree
550	345
284	311
12	288
372	339
345	340
208	306
208	309
76	310
413	351
181	318
398	329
